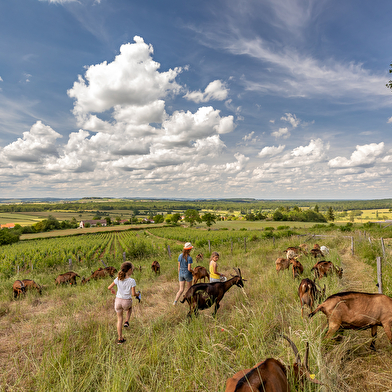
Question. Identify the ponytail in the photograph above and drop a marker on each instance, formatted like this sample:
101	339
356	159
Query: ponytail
125	267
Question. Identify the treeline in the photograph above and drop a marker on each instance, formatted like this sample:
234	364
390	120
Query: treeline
245	206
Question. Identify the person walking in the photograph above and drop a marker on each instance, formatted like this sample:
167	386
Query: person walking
123	302
184	270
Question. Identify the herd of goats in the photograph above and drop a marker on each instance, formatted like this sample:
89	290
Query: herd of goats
344	310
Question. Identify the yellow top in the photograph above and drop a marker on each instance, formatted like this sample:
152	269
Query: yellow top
212	274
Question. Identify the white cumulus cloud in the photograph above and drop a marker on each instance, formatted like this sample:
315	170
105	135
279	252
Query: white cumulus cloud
216	90
270	151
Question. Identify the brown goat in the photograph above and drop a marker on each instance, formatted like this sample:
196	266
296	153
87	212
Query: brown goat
155	267
100	273
199	257
30	284
322	268
316	253
355	310
281	264
200	273
68	277
308	293
271	375
18	288
298	268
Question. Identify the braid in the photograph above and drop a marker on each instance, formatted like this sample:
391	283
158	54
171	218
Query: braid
125	267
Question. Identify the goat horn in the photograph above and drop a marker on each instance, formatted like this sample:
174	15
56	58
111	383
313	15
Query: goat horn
294	347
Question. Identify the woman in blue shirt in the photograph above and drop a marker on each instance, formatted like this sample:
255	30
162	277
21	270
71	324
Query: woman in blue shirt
184	270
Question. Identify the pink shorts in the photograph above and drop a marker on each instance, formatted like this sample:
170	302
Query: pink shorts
121	304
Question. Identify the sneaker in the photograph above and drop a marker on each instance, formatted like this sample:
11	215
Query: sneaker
175	303
121	341
126	324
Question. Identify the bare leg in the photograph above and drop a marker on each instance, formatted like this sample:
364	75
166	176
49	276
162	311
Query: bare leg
128	316
180	291
119	324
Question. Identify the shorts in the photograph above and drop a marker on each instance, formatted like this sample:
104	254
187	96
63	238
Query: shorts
121	304
185	275
222	279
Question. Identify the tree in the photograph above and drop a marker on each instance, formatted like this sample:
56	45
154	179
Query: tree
330	215
277	216
175	218
108	221
316	208
158	219
208	218
192	216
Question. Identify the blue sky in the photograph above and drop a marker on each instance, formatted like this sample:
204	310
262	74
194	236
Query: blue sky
277	99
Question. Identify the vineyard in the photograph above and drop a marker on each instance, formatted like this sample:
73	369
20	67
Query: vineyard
65	339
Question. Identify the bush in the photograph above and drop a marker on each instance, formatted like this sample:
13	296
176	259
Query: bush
283	227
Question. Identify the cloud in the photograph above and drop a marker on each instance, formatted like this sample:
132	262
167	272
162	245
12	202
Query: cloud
282	132
292	119
248	137
270	151
389	120
35	145
216	90
364	156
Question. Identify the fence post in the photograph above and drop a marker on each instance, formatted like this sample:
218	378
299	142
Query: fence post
245	243
352	246
231	240
70	263
383	248
274	241
124	256
168	250
370	241
209	246
103	264
379	275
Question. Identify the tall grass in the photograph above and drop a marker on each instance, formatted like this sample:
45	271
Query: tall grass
66	339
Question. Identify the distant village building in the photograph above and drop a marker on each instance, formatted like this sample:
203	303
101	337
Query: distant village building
8	226
93	223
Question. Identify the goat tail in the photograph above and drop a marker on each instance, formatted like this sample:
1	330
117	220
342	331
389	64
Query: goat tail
183	300
310	315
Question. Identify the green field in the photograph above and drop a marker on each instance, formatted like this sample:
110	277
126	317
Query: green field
66	339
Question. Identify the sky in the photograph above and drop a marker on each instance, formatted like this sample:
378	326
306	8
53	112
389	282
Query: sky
265	99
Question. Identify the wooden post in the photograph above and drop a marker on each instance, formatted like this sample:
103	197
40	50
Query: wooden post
18	269
231	240
352	246
124	256
103	263
370	241
209	246
274	240
383	248
379	275
245	243
70	263
168	250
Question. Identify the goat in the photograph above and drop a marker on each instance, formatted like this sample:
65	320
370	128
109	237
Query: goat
30	284
68	277
298	268
316	246
100	273
271	375
203	295
316	253
304	249
281	264
199	257
200	273
356	310
290	254
155	267
18	288
322	268
308	293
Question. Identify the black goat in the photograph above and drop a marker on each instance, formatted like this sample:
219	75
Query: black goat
203	295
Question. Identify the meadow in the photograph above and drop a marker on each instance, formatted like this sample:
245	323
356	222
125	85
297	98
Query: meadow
66	339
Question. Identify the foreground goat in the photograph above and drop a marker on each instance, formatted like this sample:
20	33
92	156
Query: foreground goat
308	293
322	268
18	288
203	295
68	277
354	310
270	375
30	284
281	264
298	268
155	267
200	273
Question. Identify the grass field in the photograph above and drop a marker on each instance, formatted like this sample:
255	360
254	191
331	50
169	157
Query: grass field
66	340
